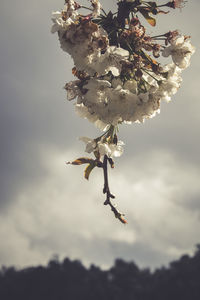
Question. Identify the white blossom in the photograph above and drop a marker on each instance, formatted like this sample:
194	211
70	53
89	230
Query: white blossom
83	112
58	23
170	85
111	60
96	8
105	96
117	149
131	85
181	51
72	90
112	104
90	144
64	18
103	147
71	10
81	42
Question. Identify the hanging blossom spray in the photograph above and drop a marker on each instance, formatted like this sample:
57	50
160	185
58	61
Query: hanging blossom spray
119	76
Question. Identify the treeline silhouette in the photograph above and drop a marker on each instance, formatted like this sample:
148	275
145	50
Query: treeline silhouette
70	280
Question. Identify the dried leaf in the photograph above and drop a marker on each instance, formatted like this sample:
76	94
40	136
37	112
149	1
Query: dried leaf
151	20
82	160
89	169
146	15
74	71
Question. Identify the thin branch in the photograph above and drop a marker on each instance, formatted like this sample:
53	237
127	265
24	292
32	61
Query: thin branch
109	195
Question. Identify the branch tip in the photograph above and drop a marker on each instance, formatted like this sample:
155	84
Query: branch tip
106	190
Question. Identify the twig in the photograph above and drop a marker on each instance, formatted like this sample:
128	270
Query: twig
106	190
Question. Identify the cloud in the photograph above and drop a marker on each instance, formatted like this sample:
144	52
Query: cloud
64	214
47	207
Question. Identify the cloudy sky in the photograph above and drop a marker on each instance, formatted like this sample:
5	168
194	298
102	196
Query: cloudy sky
47	207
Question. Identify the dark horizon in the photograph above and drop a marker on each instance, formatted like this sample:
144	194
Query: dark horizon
71	280
46	206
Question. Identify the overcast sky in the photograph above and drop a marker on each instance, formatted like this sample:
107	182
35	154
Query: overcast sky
47	207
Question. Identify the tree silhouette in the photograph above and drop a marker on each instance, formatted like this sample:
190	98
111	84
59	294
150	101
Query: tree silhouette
124	280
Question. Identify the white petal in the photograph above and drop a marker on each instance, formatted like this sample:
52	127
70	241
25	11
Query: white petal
85	139
114	70
56	14
90	144
104	149
54	28
90	147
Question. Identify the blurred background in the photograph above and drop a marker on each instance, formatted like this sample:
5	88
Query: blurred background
46	206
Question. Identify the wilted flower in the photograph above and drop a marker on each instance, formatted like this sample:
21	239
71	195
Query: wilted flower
176	4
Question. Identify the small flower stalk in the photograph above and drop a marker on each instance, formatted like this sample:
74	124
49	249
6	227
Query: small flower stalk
119	74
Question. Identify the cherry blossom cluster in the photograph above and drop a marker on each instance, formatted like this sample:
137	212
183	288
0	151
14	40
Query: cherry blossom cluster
119	76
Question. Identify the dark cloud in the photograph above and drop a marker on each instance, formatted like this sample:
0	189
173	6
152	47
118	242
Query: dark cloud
32	98
39	131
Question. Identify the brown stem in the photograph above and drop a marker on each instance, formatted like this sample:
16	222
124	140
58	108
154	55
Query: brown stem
106	190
